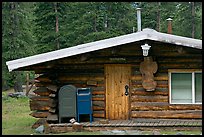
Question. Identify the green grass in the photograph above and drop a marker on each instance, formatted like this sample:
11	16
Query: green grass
15	116
17	121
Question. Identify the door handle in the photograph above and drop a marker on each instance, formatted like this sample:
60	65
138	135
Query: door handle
126	90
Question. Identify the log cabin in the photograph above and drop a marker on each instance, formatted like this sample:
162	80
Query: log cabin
126	81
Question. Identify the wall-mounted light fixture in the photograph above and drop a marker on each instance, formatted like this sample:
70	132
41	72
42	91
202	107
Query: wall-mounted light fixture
145	49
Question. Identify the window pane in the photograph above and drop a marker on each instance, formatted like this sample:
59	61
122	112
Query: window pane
181	87
198	87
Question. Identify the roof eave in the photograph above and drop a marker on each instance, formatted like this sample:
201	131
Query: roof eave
148	34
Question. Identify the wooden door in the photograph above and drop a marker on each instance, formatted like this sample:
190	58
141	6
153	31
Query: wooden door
117	103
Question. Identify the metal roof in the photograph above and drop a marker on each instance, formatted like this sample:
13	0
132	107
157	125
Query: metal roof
147	33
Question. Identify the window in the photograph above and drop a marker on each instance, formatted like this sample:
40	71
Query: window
185	87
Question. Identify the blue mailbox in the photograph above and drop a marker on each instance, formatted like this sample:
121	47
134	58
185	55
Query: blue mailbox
84	102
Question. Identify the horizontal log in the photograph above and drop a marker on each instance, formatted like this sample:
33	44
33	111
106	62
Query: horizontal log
96	108
192	114
40	114
50	103
105	60
163	93
40	84
91	83
180	65
185	107
156	89
102	88
98	96
158	98
148	106
173	54
32	107
77	77
98	92
139	82
98	99
49	85
43	79
159	77
157	86
42	91
99	115
83	78
178	60
52	87
41	98
183	70
98	103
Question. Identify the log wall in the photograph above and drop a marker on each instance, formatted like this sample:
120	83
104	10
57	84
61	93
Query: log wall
87	70
46	103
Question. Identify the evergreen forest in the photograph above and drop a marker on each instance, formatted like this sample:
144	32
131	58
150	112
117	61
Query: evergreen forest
30	28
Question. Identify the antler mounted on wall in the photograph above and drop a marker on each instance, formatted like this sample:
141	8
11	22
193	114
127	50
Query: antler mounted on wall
148	68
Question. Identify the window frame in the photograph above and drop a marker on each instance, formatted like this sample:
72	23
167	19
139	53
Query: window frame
192	72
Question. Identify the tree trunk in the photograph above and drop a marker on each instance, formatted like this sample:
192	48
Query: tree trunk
106	23
16	75
193	19
158	17
95	28
18	82
57	24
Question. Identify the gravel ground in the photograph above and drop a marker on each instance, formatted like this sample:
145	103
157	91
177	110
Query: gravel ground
138	132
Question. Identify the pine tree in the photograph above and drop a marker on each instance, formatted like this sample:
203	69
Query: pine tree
91	21
16	40
49	21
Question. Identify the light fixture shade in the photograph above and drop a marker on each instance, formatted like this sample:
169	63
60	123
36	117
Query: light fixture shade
145	49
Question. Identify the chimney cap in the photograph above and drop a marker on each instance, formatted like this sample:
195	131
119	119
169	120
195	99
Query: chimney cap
169	19
139	8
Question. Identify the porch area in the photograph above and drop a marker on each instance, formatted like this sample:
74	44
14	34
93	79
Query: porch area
180	124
